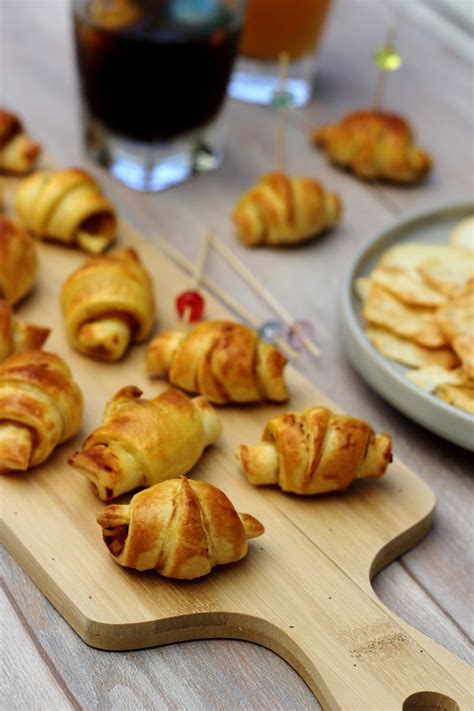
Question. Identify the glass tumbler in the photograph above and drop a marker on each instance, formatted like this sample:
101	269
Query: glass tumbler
153	77
272	27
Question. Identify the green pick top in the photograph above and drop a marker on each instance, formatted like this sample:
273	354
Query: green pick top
282	99
387	59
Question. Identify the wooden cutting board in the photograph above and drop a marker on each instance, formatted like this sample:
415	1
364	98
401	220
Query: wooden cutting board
304	589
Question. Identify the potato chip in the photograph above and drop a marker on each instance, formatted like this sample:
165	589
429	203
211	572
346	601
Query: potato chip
448	275
409	353
456	318
433	376
414	323
408	286
462	234
462	397
362	287
464	347
412	255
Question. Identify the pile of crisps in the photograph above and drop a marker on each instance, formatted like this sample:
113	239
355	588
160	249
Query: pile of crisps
418	305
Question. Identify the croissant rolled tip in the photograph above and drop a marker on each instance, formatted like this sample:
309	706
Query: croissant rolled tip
252	526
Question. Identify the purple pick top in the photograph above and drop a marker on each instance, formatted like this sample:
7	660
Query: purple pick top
298	331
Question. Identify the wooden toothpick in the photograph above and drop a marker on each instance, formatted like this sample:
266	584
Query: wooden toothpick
386	60
264	294
196	276
281	100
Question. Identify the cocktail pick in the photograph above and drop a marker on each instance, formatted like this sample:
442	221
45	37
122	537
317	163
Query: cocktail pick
190	304
386	59
282	99
297	329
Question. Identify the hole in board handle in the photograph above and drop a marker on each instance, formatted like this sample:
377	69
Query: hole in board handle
429	701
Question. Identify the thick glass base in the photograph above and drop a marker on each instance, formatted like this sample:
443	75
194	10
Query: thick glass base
255	81
151	167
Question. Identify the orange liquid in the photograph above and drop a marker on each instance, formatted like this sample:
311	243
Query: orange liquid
275	26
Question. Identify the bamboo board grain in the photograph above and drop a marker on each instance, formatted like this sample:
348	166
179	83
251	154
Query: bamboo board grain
304	589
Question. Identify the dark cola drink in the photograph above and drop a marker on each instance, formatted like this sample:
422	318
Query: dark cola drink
158	73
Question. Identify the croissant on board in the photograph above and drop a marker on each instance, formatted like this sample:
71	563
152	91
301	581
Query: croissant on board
142	442
40	408
179	528
18	152
315	452
280	210
66	206
18	261
18	336
374	144
107	304
222	360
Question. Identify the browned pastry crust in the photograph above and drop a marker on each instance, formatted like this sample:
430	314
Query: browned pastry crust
141	442
18	336
315	452
66	206
374	145
107	304
18	152
40	407
280	210
18	261
222	360
179	528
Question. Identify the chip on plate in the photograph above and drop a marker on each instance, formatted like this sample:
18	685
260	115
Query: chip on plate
409	353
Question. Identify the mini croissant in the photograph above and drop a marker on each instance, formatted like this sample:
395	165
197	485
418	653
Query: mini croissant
17	336
374	144
107	304
222	360
18	261
141	442
179	528
40	407
315	452
280	210
18	153
66	206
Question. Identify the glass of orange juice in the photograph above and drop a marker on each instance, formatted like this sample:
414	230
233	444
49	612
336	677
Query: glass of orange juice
272	27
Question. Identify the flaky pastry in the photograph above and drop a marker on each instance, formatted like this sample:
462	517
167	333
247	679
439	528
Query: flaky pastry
18	261
315	451
18	153
280	210
179	528
142	442
222	360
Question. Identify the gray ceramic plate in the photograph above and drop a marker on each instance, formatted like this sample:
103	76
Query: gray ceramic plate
384	375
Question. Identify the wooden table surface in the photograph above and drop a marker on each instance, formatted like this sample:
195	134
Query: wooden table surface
45	664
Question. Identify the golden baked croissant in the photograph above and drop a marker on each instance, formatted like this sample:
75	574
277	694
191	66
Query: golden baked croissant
17	336
66	206
18	152
179	528
40	407
374	144
18	261
141	442
280	210
315	452
222	360
107	304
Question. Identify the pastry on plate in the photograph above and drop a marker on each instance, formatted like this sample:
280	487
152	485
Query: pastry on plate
179	528
18	336
18	261
222	360
142	442
280	210
374	145
40	408
66	206
18	153
107	304
315	452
